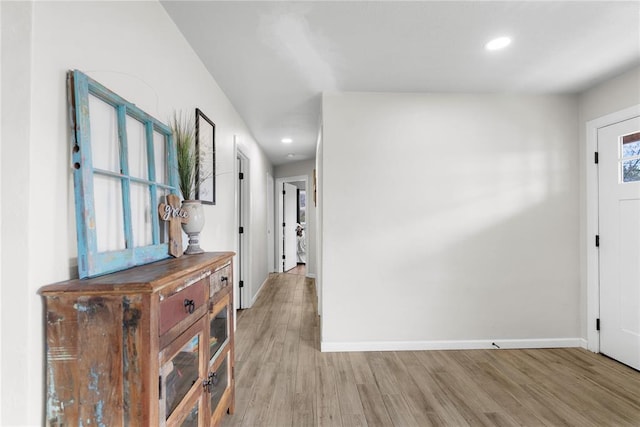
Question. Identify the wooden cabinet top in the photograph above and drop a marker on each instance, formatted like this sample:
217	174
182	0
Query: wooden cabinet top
146	278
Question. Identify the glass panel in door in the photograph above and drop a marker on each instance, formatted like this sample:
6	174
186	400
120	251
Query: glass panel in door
192	418
220	381
218	328
183	371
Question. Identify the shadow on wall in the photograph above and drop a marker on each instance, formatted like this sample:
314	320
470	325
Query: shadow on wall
515	278
494	258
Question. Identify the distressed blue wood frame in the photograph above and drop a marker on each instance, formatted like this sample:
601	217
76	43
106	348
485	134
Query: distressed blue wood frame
90	261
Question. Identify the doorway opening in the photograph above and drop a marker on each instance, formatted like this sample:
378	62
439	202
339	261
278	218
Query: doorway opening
619	238
613	204
292	225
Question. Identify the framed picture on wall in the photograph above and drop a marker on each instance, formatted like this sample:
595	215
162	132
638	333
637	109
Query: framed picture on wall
206	169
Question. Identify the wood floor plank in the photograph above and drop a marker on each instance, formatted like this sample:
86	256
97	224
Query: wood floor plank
280	412
304	409
306	370
399	412
327	402
420	400
262	392
351	408
373	404
282	379
360	367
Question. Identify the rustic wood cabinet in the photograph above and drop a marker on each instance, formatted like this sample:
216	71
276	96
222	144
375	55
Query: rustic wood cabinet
152	345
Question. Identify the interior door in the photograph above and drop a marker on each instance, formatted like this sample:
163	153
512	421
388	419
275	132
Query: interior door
289	237
242	303
619	240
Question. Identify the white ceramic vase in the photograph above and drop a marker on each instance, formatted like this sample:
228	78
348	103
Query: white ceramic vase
194	226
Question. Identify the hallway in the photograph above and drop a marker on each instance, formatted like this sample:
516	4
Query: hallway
276	347
300	269
283	380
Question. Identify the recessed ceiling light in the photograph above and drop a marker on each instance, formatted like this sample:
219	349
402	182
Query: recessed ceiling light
287	140
291	155
498	43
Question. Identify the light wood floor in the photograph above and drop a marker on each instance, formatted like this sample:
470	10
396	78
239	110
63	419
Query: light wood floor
298	269
283	380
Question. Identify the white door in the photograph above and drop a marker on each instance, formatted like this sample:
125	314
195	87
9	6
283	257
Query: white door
619	238
240	256
289	222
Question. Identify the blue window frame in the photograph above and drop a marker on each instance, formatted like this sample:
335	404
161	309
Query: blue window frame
124	164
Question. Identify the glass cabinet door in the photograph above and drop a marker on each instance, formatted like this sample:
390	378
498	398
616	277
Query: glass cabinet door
192	418
218	328
219	377
219	381
182	372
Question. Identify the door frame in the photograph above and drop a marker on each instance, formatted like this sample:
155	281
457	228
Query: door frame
279	182
271	222
592	219
243	258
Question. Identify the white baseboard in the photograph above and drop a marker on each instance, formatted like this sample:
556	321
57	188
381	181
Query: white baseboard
255	297
452	345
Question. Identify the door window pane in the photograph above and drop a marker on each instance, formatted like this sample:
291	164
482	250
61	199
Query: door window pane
631	145
631	170
631	157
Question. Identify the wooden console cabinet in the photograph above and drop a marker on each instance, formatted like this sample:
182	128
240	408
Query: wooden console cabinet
148	346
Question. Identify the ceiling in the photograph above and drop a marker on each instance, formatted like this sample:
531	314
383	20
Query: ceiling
273	59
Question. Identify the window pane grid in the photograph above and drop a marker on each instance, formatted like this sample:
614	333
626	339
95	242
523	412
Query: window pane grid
141	176
132	179
153	190
124	169
110	230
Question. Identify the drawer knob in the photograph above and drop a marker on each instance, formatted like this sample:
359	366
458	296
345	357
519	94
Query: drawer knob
224	279
189	305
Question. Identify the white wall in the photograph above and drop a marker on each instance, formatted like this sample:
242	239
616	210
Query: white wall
21	318
612	95
1	118
319	221
608	97
257	242
134	49
304	168
449	221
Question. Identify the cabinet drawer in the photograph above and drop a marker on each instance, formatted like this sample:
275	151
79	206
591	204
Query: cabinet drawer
181	305
220	279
